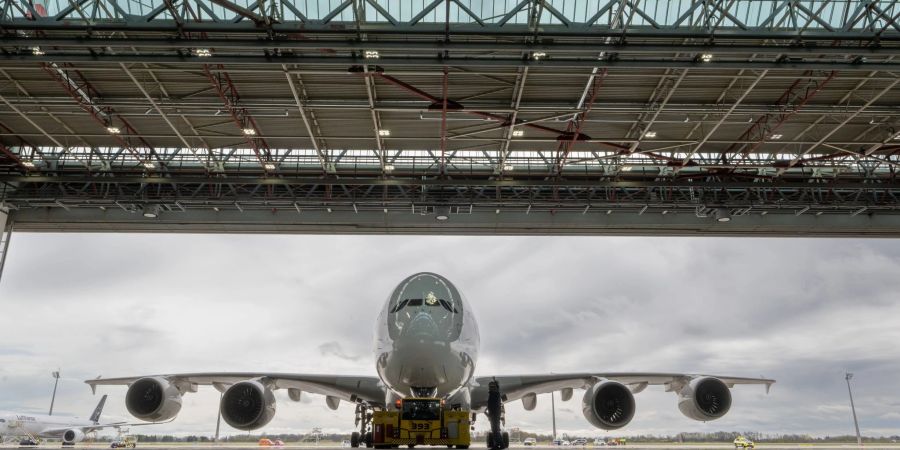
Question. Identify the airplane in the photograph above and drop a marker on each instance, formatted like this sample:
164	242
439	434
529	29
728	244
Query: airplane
68	428
426	345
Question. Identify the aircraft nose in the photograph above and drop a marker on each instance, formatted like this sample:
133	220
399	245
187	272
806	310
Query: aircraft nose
422	324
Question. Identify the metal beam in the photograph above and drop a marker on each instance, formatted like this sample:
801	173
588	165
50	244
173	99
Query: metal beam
427	61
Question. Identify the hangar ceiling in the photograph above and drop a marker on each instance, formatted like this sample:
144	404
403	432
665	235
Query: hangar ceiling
685	117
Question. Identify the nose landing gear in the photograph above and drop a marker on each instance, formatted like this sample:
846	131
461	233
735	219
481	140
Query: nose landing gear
364	421
496	439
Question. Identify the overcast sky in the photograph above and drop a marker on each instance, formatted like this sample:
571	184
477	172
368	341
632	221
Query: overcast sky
802	311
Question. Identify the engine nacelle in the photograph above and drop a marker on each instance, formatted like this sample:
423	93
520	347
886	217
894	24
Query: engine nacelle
248	405
608	405
72	436
704	398
153	399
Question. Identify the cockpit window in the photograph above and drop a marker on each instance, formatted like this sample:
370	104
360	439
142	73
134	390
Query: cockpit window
418	302
400	305
447	306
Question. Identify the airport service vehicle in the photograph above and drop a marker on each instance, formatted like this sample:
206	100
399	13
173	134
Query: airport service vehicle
68	428
266	442
580	441
124	442
599	443
426	346
420	421
530	442
742	442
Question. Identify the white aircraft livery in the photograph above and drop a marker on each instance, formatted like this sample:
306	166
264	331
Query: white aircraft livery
68	428
426	345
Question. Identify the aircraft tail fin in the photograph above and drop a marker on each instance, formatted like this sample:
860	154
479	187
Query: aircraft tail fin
95	416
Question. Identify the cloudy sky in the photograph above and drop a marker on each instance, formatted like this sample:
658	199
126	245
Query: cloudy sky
802	311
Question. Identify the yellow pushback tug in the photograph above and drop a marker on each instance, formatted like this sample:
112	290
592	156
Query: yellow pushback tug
420	421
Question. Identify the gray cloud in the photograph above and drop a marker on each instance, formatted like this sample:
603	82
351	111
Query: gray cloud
802	311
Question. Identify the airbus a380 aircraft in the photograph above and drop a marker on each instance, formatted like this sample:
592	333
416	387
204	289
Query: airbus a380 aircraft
427	346
68	428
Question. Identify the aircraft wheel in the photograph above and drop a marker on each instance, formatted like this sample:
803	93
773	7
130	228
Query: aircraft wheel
490	440
354	439
368	439
505	440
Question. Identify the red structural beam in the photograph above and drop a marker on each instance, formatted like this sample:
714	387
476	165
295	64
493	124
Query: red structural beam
800	92
85	95
230	97
452	105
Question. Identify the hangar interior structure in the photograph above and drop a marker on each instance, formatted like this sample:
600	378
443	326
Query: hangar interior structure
653	117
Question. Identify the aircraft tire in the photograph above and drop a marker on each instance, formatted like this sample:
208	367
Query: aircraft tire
505	439
368	439
490	441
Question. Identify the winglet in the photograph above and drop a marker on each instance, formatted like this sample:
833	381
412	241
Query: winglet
92	385
768	385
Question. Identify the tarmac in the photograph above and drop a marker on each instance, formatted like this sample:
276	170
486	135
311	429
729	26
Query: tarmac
480	446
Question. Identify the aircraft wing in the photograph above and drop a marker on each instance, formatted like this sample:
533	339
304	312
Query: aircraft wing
59	432
515	387
347	388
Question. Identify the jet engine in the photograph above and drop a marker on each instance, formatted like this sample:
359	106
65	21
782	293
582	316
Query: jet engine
153	399
72	436
608	405
248	405
704	398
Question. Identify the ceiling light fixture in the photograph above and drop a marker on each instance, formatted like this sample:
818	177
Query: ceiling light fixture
650	134
508	168
36	51
539	55
723	215
442	213
384	132
28	164
151	211
113	130
389	167
706	57
372	54
249	131
518	133
202	52
269	166
776	137
148	165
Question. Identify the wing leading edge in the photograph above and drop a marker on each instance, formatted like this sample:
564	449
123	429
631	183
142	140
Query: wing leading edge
516	387
338	387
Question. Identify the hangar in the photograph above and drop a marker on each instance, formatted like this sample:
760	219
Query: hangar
651	117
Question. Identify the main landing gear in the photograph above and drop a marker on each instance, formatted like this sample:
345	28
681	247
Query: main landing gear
496	439
364	421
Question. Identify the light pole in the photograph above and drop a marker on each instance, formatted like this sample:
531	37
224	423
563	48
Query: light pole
53	398
553	408
847	377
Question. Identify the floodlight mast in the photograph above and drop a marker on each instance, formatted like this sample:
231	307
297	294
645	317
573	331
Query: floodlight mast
55	384
847	377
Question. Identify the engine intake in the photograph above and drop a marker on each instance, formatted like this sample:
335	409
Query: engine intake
248	405
608	405
704	398
72	436
153	399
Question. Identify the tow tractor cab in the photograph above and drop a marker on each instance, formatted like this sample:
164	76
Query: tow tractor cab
420	421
